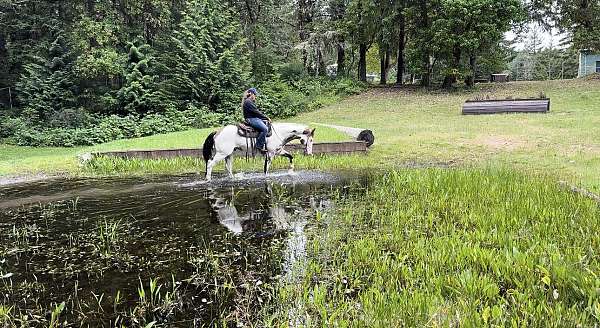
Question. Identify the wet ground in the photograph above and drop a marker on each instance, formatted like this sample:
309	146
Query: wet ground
172	250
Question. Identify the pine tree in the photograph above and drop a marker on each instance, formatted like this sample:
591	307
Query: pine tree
207	64
46	86
137	95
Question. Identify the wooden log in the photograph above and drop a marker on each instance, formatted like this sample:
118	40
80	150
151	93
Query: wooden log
506	106
359	134
335	148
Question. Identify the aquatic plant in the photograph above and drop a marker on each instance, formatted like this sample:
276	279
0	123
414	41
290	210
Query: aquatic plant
56	314
451	248
109	235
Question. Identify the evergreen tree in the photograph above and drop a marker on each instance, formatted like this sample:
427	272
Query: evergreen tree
207	61
137	95
46	86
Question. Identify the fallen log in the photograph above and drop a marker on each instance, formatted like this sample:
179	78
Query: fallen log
358	134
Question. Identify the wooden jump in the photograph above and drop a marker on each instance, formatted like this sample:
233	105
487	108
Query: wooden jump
357	134
478	107
336	148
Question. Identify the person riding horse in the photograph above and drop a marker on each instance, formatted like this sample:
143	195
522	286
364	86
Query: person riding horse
255	118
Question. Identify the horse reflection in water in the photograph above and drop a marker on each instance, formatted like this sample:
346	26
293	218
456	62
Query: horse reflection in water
292	218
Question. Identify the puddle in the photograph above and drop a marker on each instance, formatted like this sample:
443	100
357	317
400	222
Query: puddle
172	250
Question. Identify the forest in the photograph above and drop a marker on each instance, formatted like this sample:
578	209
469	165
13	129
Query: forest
82	72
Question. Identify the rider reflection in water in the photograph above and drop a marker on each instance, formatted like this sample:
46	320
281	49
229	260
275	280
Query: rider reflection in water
255	118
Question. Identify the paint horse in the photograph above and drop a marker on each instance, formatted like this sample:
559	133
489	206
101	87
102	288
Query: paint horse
221	144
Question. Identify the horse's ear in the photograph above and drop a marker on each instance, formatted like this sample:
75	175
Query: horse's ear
312	133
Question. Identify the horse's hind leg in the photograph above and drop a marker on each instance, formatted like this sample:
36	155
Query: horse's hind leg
209	166
229	165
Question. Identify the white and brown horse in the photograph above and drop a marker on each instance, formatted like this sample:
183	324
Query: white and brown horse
221	144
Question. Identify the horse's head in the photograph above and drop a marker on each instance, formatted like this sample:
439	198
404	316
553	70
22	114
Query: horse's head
307	138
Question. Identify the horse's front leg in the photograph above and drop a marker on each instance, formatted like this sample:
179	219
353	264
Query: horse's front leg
268	159
289	157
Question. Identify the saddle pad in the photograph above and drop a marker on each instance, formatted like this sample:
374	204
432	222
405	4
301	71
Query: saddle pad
245	130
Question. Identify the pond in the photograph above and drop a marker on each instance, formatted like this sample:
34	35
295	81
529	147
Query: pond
170	250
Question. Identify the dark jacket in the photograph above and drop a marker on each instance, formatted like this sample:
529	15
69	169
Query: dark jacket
251	111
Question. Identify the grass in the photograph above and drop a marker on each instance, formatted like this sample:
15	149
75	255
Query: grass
492	241
413	127
456	247
15	160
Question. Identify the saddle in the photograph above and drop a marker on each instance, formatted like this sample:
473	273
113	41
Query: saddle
246	130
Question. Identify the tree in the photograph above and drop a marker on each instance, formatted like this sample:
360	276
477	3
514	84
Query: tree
361	22
207	58
337	12
400	20
581	19
46	86
385	37
471	27
137	95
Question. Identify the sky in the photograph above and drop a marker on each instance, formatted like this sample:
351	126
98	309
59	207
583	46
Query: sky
547	38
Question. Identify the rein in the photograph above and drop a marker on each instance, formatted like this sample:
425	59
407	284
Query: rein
285	141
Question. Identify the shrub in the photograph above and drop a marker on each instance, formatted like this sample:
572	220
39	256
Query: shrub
279	99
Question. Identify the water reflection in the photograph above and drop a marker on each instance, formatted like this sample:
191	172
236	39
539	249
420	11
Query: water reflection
74	239
286	213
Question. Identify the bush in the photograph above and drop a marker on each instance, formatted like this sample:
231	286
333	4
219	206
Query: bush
292	72
279	99
10	126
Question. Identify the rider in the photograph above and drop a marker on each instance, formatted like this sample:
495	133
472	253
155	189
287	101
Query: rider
255	118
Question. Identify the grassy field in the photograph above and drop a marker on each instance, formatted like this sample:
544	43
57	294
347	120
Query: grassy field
413	127
493	241
424	127
15	161
451	248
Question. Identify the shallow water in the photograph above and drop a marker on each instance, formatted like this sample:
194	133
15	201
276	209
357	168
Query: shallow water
96	245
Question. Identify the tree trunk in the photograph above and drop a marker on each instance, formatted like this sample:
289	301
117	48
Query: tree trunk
383	67
401	46
304	19
362	63
451	77
426	57
341	58
321	63
388	58
470	80
90	7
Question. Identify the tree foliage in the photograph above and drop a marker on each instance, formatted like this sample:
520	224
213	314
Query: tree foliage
74	64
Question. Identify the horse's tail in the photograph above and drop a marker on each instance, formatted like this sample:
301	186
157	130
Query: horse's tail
207	149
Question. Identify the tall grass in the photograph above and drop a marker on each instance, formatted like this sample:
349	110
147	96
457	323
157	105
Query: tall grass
452	248
105	166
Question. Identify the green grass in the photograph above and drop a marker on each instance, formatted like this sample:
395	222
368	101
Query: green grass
16	160
413	127
456	247
492	241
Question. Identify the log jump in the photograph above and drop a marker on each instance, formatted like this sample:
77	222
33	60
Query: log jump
333	148
357	134
479	107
